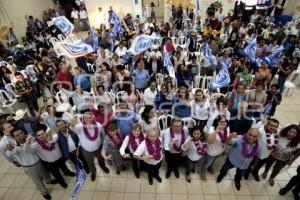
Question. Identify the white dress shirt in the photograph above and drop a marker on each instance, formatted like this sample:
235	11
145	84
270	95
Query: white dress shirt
84	142
24	157
83	14
149	96
3	142
143	151
192	153
177	136
74	14
264	151
71	143
126	144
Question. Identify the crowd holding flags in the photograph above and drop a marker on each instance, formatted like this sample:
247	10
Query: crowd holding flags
222	79
63	24
250	53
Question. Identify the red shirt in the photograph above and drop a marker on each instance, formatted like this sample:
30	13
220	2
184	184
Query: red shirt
65	76
101	118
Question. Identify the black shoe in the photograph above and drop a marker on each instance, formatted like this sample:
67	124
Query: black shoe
176	173
283	191
168	174
295	194
150	179
105	169
118	172
123	168
220	178
158	179
237	185
137	174
47	196
64	185
52	182
256	177
72	174
93	177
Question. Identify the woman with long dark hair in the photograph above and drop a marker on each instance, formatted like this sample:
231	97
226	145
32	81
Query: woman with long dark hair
148	118
286	153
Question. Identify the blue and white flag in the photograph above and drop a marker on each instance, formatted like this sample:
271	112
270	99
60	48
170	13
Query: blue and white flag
80	179
95	39
275	56
197	6
207	54
63	24
141	43
117	24
76	49
222	79
168	64
250	50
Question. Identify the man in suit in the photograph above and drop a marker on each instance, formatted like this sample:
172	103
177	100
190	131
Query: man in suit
68	143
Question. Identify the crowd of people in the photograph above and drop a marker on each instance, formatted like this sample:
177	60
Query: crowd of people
129	109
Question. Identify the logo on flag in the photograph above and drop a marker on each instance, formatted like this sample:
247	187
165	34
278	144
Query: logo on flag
250	51
222	79
117	25
80	179
63	24
95	39
141	43
77	49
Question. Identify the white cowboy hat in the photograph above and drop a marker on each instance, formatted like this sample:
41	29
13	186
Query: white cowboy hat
20	114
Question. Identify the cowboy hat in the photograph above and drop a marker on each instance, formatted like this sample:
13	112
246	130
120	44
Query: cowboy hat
20	114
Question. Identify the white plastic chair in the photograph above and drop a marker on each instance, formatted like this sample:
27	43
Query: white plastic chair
162	122
6	101
53	41
174	40
159	79
10	89
91	68
119	96
290	83
208	79
61	37
32	73
217	95
198	82
188	122
63	102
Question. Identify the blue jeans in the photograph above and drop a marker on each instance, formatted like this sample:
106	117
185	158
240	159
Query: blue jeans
190	164
208	161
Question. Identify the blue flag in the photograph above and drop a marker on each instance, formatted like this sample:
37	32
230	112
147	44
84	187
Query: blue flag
75	49
168	64
141	43
95	39
63	24
207	54
222	79
117	24
271	59
80	179
250	51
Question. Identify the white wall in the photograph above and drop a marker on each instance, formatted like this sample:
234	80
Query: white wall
122	7
17	9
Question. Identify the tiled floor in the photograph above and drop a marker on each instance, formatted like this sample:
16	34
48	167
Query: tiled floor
14	184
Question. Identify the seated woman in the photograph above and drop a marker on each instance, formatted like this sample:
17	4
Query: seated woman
244	78
163	100
103	76
116	60
102	97
132	97
184	76
263	74
181	104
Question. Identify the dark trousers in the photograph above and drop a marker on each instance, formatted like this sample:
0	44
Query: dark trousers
277	167
53	168
227	166
32	105
82	163
137	165
281	82
152	170
173	160
89	157
257	167
295	181
201	123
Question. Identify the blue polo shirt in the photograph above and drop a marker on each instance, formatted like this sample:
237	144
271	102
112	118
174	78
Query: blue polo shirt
140	78
235	154
125	122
